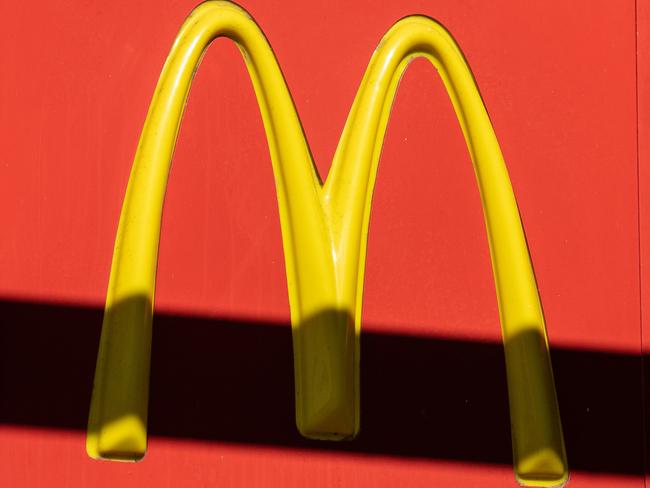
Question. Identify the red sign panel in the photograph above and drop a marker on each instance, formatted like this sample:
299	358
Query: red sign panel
560	82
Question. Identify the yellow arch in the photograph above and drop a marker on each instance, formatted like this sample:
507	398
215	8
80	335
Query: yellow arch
324	230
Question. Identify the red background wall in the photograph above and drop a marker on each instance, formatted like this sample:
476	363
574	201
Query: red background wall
560	82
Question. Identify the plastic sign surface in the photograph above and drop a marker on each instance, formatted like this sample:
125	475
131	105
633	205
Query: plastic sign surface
324	230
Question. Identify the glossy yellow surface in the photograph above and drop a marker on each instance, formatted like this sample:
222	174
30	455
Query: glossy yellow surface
324	230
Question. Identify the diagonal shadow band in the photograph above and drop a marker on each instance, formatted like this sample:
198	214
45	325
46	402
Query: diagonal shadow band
421	397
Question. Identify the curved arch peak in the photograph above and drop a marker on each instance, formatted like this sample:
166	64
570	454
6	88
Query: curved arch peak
324	232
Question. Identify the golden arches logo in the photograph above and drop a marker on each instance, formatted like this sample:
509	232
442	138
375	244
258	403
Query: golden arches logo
324	232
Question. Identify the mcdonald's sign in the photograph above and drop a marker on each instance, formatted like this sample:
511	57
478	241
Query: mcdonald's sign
324	231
